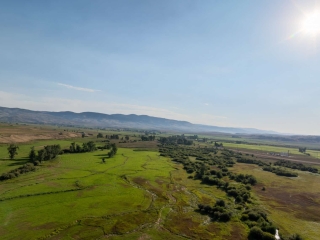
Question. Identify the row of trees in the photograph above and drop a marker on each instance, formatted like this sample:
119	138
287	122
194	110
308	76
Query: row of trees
148	138
175	139
295	165
280	171
47	153
86	147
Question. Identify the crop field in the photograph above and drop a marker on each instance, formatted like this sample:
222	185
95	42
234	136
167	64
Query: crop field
276	149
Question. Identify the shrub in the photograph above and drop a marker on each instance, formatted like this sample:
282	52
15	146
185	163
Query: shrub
267	236
256	233
220	203
294	237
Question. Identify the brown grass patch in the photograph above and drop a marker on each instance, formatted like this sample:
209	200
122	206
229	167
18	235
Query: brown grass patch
238	232
182	224
303	204
214	228
140	145
145	184
50	225
21	133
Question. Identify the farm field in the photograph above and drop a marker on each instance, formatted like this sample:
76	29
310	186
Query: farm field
276	149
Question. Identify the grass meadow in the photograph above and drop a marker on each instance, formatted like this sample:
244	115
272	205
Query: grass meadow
138	195
292	203
134	195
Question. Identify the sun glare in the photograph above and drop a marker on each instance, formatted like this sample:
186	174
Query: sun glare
312	23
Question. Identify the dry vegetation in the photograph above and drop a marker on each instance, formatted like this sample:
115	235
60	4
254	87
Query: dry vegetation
25	133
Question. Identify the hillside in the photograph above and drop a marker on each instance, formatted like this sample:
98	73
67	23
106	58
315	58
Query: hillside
92	119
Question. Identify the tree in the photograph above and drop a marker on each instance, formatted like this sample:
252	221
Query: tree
32	155
302	149
99	135
78	148
49	152
73	147
41	155
113	150
91	146
12	150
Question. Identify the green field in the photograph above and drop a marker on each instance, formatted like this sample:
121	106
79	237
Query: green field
138	195
135	194
267	148
293	203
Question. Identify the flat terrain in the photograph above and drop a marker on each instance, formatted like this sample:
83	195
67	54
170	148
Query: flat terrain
139	195
292	203
135	195
19	133
273	149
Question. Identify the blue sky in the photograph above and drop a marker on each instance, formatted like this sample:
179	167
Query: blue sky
224	63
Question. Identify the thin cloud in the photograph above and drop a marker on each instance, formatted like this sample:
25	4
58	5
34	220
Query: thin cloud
78	88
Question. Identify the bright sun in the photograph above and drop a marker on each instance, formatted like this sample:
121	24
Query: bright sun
312	23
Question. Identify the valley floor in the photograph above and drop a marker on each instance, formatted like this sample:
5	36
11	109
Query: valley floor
140	195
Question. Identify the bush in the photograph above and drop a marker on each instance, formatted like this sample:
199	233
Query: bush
29	167
256	234
244	217
36	163
270	229
220	203
267	236
294	237
225	217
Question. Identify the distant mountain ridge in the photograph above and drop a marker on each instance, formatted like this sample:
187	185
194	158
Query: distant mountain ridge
101	120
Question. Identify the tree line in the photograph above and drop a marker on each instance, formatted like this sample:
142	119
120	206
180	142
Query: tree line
175	139
76	148
295	165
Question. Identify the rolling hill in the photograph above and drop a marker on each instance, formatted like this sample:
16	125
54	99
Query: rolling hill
100	120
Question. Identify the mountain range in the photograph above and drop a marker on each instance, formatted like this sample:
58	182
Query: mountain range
101	120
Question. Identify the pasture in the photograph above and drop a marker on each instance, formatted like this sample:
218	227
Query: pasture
292	203
138	194
134	195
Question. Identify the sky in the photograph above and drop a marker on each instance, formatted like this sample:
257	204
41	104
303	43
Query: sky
249	64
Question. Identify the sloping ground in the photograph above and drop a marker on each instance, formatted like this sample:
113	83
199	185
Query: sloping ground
92	119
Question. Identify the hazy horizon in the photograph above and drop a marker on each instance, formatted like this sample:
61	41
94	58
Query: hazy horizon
248	64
